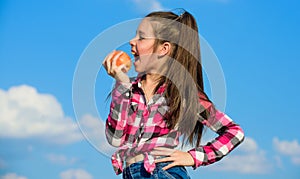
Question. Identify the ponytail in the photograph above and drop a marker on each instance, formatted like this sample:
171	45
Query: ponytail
184	79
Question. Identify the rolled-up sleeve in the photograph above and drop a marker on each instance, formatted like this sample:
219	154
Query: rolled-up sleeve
230	135
117	119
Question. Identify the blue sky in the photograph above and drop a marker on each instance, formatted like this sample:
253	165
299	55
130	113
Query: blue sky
256	43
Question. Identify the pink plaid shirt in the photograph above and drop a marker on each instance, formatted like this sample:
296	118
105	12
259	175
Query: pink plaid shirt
136	128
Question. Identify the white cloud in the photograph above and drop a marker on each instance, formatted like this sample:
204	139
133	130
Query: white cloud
61	159
148	6
248	146
12	176
296	160
278	161
288	148
248	158
25	113
75	174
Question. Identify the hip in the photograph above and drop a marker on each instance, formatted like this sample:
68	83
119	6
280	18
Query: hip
137	170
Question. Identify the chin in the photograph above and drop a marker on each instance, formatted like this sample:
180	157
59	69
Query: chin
136	68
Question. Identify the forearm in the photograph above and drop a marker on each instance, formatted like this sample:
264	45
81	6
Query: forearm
116	122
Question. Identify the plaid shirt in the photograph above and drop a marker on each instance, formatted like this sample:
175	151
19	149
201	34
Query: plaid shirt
137	128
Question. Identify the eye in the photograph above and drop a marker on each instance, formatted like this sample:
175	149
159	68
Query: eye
141	38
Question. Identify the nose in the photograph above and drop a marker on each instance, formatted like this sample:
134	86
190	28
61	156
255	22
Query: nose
132	42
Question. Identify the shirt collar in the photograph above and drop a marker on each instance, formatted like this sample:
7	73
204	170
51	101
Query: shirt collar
138	80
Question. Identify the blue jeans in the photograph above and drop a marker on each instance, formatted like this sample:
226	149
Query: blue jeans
137	170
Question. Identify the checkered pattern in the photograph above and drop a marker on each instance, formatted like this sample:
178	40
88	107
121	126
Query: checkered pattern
136	128
230	136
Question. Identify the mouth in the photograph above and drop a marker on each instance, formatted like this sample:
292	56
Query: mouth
136	56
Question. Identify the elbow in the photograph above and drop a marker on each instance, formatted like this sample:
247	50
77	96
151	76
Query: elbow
240	134
113	140
115	136
237	132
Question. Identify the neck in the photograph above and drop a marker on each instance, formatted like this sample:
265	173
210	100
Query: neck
149	83
151	79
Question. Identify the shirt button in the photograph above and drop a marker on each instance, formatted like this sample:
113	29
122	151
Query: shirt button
127	94
142	124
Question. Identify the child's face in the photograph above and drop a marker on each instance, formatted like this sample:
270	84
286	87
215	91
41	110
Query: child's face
142	48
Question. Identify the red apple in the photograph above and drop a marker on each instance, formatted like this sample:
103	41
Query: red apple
123	59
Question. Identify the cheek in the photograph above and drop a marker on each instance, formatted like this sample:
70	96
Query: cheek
143	51
145	48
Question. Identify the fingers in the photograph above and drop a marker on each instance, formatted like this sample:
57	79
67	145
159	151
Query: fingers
169	166
110	66
115	57
107	61
166	159
176	157
123	68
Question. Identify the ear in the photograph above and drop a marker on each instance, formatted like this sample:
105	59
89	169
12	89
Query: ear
164	49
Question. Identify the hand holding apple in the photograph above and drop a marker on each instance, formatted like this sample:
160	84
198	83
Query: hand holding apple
117	64
123	59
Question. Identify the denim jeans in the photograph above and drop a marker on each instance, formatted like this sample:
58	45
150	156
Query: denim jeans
137	170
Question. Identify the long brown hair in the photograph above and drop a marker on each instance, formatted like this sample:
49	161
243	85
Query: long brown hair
184	77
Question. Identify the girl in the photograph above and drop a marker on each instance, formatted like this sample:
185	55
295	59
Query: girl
165	103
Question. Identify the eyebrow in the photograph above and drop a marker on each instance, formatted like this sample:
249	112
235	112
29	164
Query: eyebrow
141	32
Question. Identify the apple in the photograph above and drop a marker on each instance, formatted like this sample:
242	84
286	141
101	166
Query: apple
123	59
